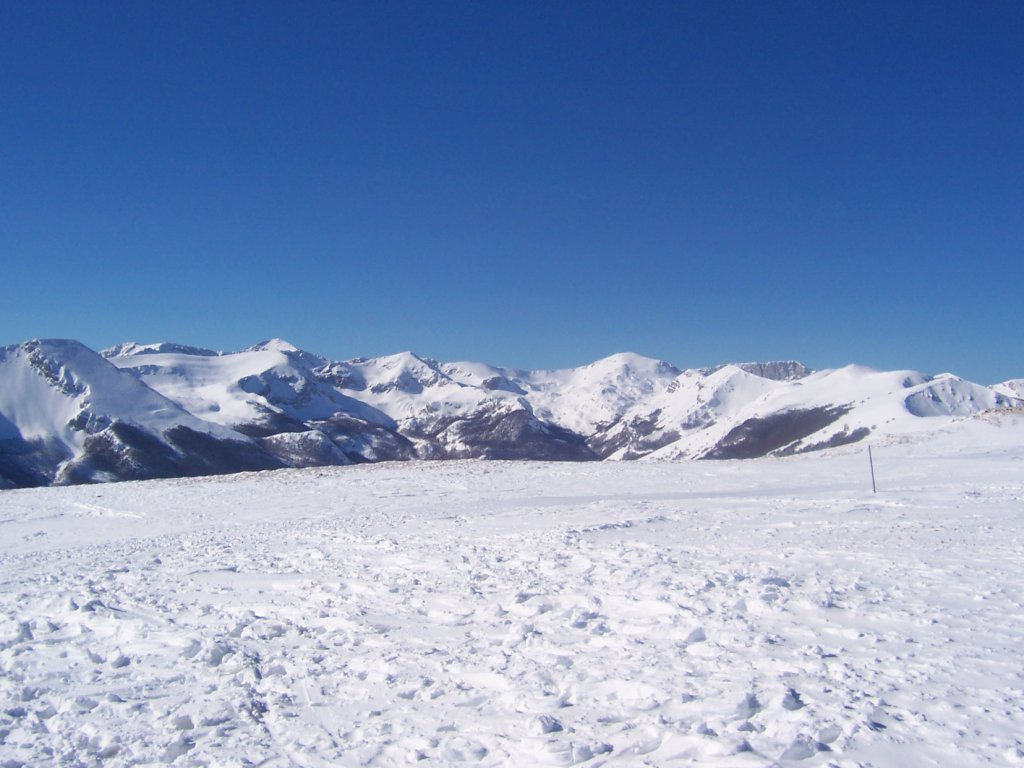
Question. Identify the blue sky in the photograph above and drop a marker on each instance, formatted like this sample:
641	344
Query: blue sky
536	184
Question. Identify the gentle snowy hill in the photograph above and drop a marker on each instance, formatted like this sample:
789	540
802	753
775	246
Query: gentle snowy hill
621	614
145	410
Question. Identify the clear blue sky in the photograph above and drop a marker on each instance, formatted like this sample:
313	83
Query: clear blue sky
535	184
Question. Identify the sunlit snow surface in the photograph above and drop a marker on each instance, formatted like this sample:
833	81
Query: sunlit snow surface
723	613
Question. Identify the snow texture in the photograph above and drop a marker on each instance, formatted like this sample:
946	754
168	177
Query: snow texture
771	612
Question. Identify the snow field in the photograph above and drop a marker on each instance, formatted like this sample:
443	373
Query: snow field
769	612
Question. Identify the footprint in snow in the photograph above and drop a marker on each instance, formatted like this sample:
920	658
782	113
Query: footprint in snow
544	724
696	636
803	747
749	707
792	701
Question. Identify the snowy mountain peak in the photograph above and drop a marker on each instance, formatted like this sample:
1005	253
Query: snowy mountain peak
58	348
404	372
405	359
778	370
273	345
61	362
132	348
68	415
1011	388
632	363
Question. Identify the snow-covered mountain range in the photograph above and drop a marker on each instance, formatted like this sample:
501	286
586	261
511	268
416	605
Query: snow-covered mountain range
70	415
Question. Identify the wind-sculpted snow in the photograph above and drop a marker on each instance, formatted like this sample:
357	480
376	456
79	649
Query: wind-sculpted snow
767	612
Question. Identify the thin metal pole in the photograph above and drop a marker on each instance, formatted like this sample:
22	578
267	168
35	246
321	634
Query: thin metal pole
871	462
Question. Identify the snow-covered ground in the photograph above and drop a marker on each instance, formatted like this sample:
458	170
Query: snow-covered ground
750	613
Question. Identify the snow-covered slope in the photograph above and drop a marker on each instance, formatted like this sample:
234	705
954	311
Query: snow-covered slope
582	399
694	402
1011	388
68	415
623	614
266	389
287	398
292	408
744	416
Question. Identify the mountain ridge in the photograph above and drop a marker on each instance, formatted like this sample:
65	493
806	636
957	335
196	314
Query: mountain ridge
134	411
